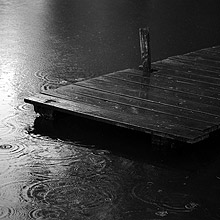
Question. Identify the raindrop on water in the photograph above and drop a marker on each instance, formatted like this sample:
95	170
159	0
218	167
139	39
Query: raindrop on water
47	213
4	212
5	146
11	150
161	213
191	205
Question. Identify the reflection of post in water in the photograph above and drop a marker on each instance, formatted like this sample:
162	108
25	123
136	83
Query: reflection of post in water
145	50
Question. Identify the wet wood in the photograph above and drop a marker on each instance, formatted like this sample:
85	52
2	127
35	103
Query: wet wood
178	76
215	49
144	36
197	60
117	118
71	90
201	65
179	101
144	92
190	71
160	81
206	55
154	117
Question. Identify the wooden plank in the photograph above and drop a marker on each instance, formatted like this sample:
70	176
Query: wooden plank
156	117
148	90
209	52
201	65
204	54
133	102
215	49
178	77
154	94
160	81
196	60
189	70
114	117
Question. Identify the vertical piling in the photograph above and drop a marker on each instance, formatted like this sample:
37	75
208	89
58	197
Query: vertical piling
144	36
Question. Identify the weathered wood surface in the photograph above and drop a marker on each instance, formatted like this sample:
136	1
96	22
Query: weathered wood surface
115	117
144	36
181	100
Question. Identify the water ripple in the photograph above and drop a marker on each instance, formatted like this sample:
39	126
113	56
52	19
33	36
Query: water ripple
24	107
78	159
171	201
51	213
50	78
55	152
12	205
12	126
87	166
4	167
10	192
47	86
11	213
7	128
58	161
72	194
84	196
5	212
37	191
11	151
14	213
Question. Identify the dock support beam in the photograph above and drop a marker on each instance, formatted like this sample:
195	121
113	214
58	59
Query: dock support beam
144	36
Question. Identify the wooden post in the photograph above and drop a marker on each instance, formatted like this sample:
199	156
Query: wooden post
145	49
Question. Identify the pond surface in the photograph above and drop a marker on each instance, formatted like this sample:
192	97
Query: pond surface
73	169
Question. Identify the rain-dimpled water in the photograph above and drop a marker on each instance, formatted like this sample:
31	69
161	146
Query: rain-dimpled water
76	169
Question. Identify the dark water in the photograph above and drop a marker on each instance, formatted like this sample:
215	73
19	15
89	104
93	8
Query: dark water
83	171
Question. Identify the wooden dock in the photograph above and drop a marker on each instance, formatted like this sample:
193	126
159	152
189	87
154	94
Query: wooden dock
179	100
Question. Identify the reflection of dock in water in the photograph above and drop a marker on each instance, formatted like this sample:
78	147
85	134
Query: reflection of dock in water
180	100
